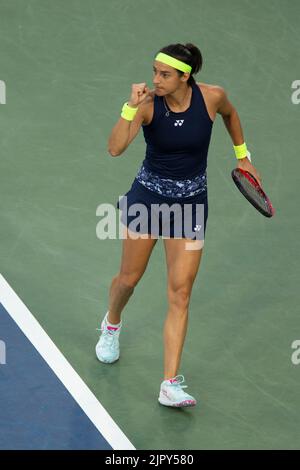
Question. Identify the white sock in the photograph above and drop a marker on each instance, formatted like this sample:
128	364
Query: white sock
112	325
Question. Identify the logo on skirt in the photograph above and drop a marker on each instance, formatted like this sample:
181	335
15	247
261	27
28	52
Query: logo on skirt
155	220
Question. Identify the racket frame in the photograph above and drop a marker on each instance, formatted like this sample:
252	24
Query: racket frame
252	180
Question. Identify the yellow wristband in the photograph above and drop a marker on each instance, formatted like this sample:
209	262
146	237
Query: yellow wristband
128	113
240	151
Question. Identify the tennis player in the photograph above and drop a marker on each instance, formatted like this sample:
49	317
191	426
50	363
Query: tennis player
177	118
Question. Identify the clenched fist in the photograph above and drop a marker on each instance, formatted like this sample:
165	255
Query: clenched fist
139	92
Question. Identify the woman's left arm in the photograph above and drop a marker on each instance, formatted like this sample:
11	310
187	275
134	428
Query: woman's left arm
233	124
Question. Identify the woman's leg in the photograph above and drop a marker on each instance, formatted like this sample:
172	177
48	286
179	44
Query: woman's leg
182	267
135	256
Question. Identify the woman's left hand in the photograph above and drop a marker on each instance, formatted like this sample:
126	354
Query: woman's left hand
246	165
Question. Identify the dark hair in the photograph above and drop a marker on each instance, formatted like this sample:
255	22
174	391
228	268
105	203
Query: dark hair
188	53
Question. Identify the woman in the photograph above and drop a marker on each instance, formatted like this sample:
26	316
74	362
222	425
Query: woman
177	118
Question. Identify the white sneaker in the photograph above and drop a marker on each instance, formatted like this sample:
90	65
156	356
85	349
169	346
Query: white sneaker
107	348
171	393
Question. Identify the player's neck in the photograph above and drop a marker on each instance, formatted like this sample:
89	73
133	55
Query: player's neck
180	97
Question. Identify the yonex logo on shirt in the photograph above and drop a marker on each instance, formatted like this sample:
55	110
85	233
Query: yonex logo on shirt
179	122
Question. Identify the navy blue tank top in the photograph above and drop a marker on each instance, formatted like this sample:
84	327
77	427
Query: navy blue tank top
177	143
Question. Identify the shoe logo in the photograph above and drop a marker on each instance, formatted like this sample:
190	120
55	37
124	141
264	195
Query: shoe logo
179	122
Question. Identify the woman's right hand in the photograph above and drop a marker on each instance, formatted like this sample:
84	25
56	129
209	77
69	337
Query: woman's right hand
139	92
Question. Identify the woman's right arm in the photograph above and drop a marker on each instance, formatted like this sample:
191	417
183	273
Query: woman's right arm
125	131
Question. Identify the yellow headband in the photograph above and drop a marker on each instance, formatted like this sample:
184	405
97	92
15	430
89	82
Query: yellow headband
177	64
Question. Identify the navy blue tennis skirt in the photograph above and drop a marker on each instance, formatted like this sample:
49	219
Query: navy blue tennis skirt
144	211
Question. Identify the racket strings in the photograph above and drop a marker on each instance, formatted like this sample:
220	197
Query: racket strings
254	192
250	188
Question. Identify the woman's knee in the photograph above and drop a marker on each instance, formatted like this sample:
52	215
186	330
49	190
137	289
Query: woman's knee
179	296
128	281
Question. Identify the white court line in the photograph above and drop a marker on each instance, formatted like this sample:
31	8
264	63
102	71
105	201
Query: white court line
61	367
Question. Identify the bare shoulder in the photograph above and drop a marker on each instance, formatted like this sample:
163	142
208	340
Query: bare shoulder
216	100
214	92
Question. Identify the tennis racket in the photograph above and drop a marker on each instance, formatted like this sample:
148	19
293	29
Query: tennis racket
252	191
